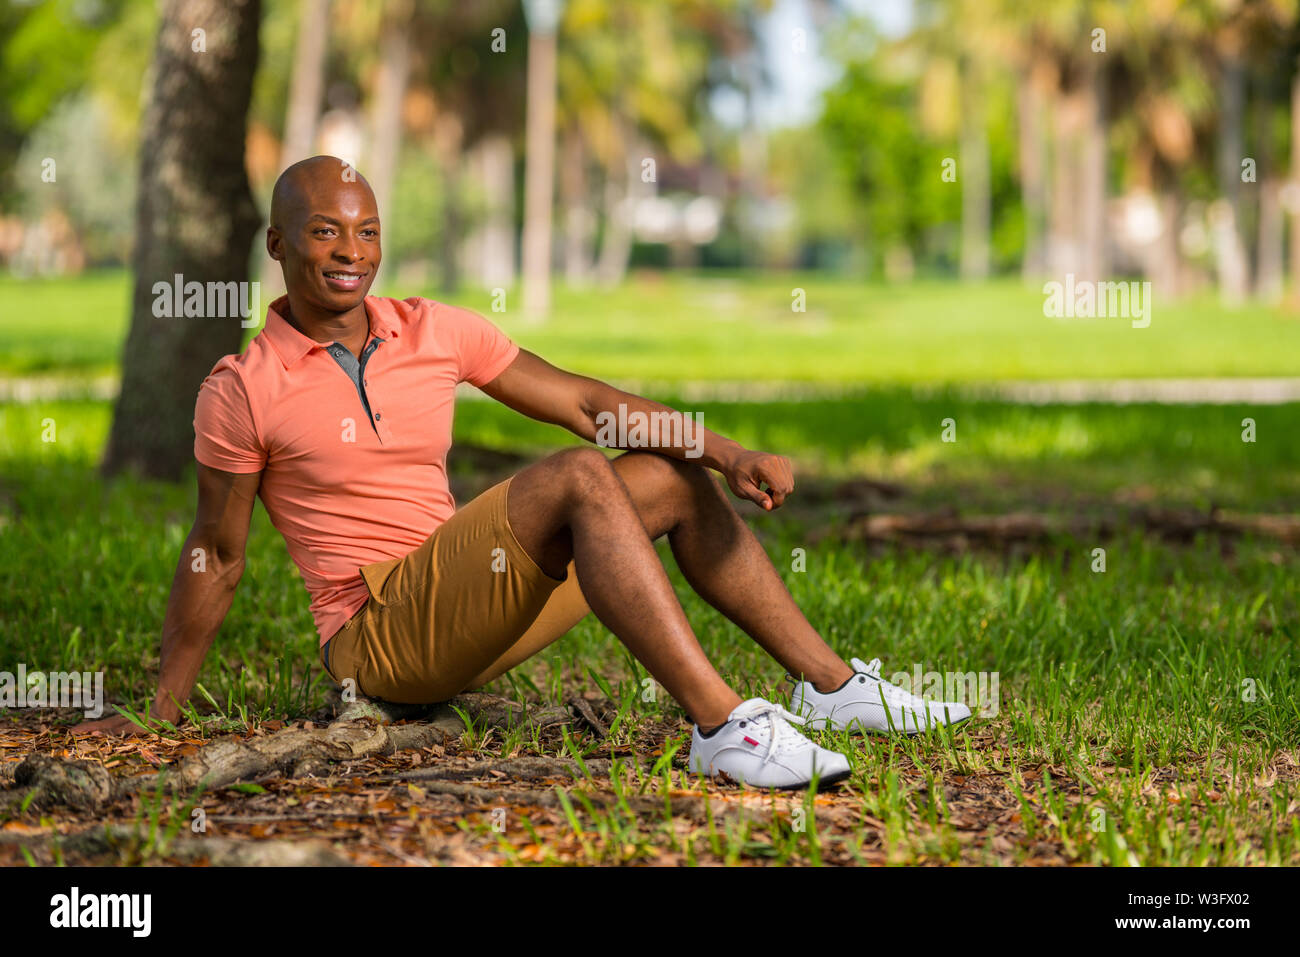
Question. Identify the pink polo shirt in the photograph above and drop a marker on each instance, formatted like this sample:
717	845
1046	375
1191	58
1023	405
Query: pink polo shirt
346	490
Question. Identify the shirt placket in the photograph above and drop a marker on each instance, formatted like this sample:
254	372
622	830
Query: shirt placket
374	398
357	373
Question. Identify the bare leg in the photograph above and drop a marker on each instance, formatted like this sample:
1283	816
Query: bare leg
573	505
725	563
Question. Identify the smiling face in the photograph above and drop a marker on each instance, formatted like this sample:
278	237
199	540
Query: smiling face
324	232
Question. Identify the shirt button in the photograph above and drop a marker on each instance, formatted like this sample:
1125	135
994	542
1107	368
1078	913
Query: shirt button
378	416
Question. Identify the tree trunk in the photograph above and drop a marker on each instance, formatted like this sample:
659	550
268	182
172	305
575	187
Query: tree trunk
539	175
307	84
306	87
1230	259
1166	260
386	109
579	220
621	195
195	218
1092	198
1294	206
492	247
1063	211
449	135
1268	275
975	214
1033	173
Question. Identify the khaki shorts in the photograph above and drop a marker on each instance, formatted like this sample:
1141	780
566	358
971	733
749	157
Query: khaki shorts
463	608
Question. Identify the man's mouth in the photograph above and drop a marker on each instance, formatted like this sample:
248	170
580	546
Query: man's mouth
343	279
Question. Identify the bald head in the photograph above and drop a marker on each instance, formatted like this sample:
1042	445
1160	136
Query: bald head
324	232
312	182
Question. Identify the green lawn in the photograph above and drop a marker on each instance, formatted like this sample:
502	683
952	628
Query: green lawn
1120	693
741	328
1159	697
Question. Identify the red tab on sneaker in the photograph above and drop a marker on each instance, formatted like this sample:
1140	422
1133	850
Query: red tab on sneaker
750	741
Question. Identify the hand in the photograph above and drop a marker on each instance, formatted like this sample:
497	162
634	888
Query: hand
748	471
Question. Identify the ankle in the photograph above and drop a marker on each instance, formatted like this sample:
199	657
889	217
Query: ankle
711	724
828	684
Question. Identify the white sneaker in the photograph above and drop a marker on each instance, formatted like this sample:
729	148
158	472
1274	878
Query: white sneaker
758	747
867	702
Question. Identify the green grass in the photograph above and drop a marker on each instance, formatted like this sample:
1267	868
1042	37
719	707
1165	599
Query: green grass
683	327
71	325
1124	732
1005	455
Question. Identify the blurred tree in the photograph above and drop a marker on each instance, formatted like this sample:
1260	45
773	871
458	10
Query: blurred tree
47	52
448	77
539	156
195	217
893	122
307	84
964	43
1165	130
635	81
93	192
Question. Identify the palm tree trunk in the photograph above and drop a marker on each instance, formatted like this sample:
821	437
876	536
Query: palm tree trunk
1092	200
539	174
495	239
307	84
386	108
1166	261
1269	274
449	135
975	213
306	87
1230	259
621	194
578	217
1295	178
1063	230
1033	172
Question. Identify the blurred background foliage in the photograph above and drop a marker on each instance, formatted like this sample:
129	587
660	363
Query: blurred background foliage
798	133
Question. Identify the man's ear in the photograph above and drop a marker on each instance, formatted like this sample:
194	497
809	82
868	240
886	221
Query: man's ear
274	243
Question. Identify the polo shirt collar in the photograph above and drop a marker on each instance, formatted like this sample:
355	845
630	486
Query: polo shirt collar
291	345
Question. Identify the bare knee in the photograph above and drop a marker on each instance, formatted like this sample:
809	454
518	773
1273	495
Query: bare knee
668	491
685	479
585	473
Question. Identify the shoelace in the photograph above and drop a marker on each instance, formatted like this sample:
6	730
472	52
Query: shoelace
780	733
892	693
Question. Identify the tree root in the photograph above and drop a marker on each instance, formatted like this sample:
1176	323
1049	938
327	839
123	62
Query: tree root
217	851
87	786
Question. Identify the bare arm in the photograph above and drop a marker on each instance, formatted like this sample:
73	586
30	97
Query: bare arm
210	566
532	386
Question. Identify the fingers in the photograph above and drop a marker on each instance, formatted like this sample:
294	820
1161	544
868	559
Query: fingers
776	472
746	488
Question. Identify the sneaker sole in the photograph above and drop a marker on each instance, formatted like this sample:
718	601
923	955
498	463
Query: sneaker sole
858	729
823	784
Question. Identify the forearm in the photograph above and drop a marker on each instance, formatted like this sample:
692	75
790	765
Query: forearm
675	434
201	594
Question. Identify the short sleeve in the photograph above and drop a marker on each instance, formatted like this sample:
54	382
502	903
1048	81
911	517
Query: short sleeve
225	436
483	349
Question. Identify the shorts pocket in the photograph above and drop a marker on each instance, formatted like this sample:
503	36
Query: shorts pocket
376	576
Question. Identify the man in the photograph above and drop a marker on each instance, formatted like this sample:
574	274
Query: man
339	415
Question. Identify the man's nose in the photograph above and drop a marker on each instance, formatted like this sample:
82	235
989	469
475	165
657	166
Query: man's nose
348	249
